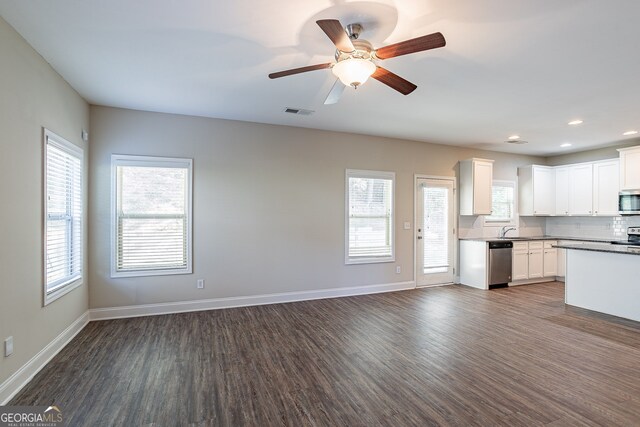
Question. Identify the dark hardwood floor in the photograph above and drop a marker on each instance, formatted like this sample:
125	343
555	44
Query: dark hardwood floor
439	356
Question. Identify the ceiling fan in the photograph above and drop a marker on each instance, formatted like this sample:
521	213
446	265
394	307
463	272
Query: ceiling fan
355	59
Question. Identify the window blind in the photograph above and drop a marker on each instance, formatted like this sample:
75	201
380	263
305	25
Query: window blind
63	214
501	203
370	216
152	218
436	229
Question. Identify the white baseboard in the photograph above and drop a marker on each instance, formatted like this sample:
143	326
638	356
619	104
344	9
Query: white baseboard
230	302
22	376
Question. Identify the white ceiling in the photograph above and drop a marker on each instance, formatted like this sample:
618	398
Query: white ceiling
510	66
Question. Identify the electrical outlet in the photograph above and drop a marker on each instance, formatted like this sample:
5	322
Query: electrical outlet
8	347
398	269
200	283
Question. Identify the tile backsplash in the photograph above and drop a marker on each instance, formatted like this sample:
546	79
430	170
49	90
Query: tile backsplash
473	226
614	228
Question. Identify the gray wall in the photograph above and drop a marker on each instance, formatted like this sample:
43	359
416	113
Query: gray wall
32	96
268	203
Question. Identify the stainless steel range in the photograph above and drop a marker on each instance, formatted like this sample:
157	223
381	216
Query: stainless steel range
633	237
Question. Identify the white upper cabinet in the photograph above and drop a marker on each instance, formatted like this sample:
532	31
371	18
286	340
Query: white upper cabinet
536	189
476	180
581	189
606	185
562	191
630	168
574	190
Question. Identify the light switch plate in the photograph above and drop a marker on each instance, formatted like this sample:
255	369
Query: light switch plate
407	225
200	283
8	347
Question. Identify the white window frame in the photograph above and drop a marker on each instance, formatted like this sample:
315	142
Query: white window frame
150	161
513	221
73	282
358	173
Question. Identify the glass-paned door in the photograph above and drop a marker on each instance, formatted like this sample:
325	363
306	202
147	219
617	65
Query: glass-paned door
435	231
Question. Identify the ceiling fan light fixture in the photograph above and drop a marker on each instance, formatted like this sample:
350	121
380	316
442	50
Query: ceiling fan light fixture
354	71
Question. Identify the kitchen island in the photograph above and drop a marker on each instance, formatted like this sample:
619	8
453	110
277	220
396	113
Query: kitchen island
603	277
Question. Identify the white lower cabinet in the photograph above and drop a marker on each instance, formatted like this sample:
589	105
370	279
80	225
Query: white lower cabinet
550	259
520	265
534	260
562	263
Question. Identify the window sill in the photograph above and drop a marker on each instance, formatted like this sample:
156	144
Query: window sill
352	261
145	273
61	291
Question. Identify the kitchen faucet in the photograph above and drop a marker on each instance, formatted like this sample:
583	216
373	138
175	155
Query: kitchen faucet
505	230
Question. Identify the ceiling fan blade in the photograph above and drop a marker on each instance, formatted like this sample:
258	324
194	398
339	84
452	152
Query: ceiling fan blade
406	47
394	81
334	29
300	70
335	92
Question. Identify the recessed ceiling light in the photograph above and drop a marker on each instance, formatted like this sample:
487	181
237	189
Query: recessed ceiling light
575	122
516	141
514	137
630	132
565	145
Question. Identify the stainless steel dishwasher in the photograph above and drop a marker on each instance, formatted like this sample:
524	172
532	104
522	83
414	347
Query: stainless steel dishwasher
500	255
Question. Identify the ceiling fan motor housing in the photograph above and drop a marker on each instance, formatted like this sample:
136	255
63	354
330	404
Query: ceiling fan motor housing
363	50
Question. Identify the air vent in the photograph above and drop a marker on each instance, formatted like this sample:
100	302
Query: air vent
517	142
299	111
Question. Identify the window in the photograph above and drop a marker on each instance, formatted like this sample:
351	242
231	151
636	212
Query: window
502	203
62	216
369	217
151	216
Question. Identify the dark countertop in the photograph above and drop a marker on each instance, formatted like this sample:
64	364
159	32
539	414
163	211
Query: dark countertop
526	239
601	247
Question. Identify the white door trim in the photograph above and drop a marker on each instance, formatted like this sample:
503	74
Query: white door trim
415	219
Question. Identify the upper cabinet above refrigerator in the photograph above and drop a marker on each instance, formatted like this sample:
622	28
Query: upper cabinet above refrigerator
630	168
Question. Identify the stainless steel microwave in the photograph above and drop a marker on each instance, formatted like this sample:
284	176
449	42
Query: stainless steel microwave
629	202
